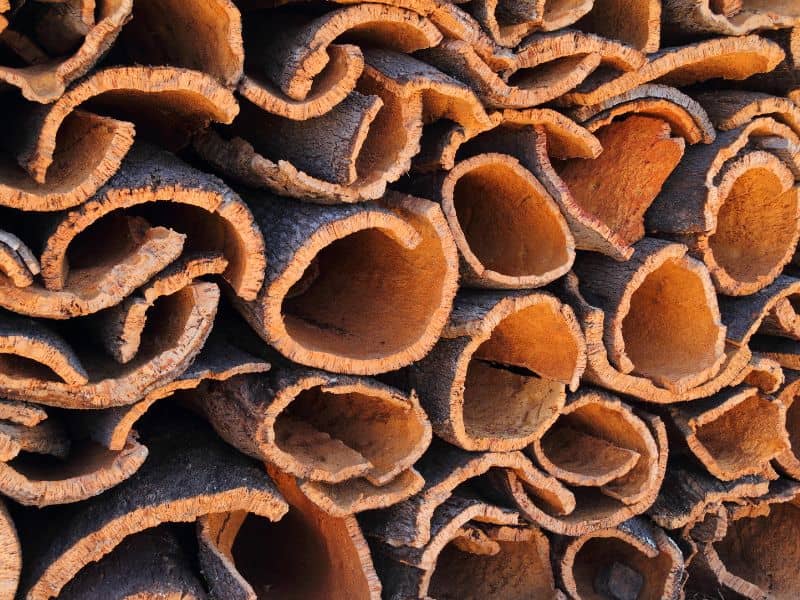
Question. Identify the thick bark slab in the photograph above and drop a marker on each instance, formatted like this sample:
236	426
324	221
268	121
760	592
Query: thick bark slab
169	103
522	348
313	555
46	82
788	462
729	109
689	18
734	433
770	311
17	262
726	199
21	413
47	437
634	560
319	284
636	23
10	556
59	542
728	58
663	317
508	22
150	564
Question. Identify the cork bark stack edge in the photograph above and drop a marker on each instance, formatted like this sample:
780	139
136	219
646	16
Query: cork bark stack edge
334	299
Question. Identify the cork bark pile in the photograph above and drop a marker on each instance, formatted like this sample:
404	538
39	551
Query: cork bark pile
445	299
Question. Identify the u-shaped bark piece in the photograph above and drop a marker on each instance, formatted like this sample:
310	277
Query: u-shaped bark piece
45	83
10	556
634	22
788	461
47	437
475	550
212	215
599	442
509	231
496	379
663	317
208	40
150	564
326	557
692	18
686	116
727	198
322	428
729	109
634	560
728	58
89	149
61	541
508	22
319	282
170	103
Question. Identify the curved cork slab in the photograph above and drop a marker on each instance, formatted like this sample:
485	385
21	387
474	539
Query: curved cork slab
509	21
328	557
88	152
150	564
524	348
729	109
734	433
21	413
475	549
634	560
725	198
788	461
201	205
663	317
599	442
686	117
17	263
10	556
728	58
47	437
686	17
60	542
319	277
320	427
209	39
636	23
46	82
183	322
157	98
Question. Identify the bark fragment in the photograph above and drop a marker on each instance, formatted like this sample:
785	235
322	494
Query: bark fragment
10	556
684	17
636	23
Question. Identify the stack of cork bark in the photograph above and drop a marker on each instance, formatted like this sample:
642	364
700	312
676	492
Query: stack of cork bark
439	299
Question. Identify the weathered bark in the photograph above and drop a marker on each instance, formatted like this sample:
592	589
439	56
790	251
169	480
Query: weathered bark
307	554
734	203
150	564
729	109
690	18
321	268
766	374
10	556
663	317
788	462
523	349
634	22
635	560
46	83
727	58
47	437
21	413
770	311
509	21
59	542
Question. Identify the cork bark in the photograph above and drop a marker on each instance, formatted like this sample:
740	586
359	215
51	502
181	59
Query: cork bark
684	18
638	24
10	556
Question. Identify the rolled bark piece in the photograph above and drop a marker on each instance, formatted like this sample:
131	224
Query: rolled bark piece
743	561
725	199
508	229
321	428
727	58
733	433
150	564
634	560
619	185
689	493
319	307
152	96
453	474
179	329
141	251
687	17
88	152
475	551
201	205
637	24
59	542
209	39
313	555
496	379
218	360
508	22
10	556
48	437
599	442
733	108
46	83
736	365
686	117
664	321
